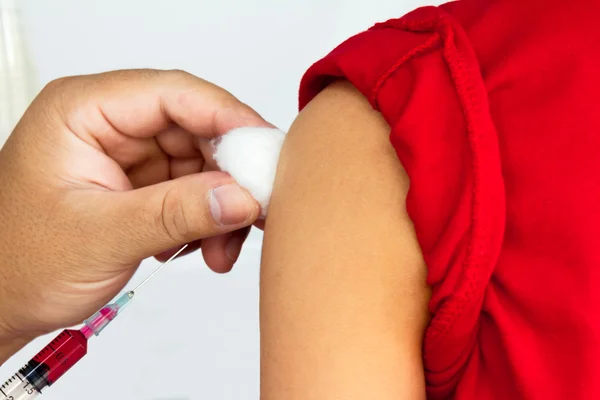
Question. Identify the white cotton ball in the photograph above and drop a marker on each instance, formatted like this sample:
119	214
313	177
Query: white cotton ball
250	155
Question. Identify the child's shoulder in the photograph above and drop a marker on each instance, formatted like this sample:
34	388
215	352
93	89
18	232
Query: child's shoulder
493	113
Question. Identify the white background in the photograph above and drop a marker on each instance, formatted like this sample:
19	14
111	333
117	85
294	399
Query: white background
192	334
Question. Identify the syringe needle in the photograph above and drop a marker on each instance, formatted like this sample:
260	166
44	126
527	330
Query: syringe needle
66	350
157	270
97	322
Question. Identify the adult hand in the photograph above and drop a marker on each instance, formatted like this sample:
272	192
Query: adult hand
102	172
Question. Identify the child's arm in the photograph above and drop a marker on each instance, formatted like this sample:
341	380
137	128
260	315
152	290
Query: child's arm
343	292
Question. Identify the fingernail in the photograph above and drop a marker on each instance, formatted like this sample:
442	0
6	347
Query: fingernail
233	248
231	205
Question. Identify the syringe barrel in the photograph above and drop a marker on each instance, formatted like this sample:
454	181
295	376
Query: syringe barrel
51	363
18	388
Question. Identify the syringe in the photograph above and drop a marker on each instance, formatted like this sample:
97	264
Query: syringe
62	353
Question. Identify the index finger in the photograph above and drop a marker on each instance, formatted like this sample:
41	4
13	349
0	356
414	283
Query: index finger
143	103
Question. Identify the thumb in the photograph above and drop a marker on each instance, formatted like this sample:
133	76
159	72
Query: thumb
156	218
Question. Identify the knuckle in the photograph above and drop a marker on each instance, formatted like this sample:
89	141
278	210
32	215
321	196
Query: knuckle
173	219
57	83
54	89
177	74
52	103
62	85
130	75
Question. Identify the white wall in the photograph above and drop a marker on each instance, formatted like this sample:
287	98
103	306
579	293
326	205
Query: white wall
192	334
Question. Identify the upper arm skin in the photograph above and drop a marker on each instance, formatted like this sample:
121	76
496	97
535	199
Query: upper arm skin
343	283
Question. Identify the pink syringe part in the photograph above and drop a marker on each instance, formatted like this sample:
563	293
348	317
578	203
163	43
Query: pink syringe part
97	322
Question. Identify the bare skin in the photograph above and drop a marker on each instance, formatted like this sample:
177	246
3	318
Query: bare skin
343	282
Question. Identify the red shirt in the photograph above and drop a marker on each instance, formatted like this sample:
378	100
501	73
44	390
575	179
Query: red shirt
494	109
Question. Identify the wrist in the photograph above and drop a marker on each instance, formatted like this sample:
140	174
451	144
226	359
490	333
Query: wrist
10	346
11	342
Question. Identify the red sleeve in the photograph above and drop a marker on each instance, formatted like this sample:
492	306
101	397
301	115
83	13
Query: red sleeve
422	75
365	60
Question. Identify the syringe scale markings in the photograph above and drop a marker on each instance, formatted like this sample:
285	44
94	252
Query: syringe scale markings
65	350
